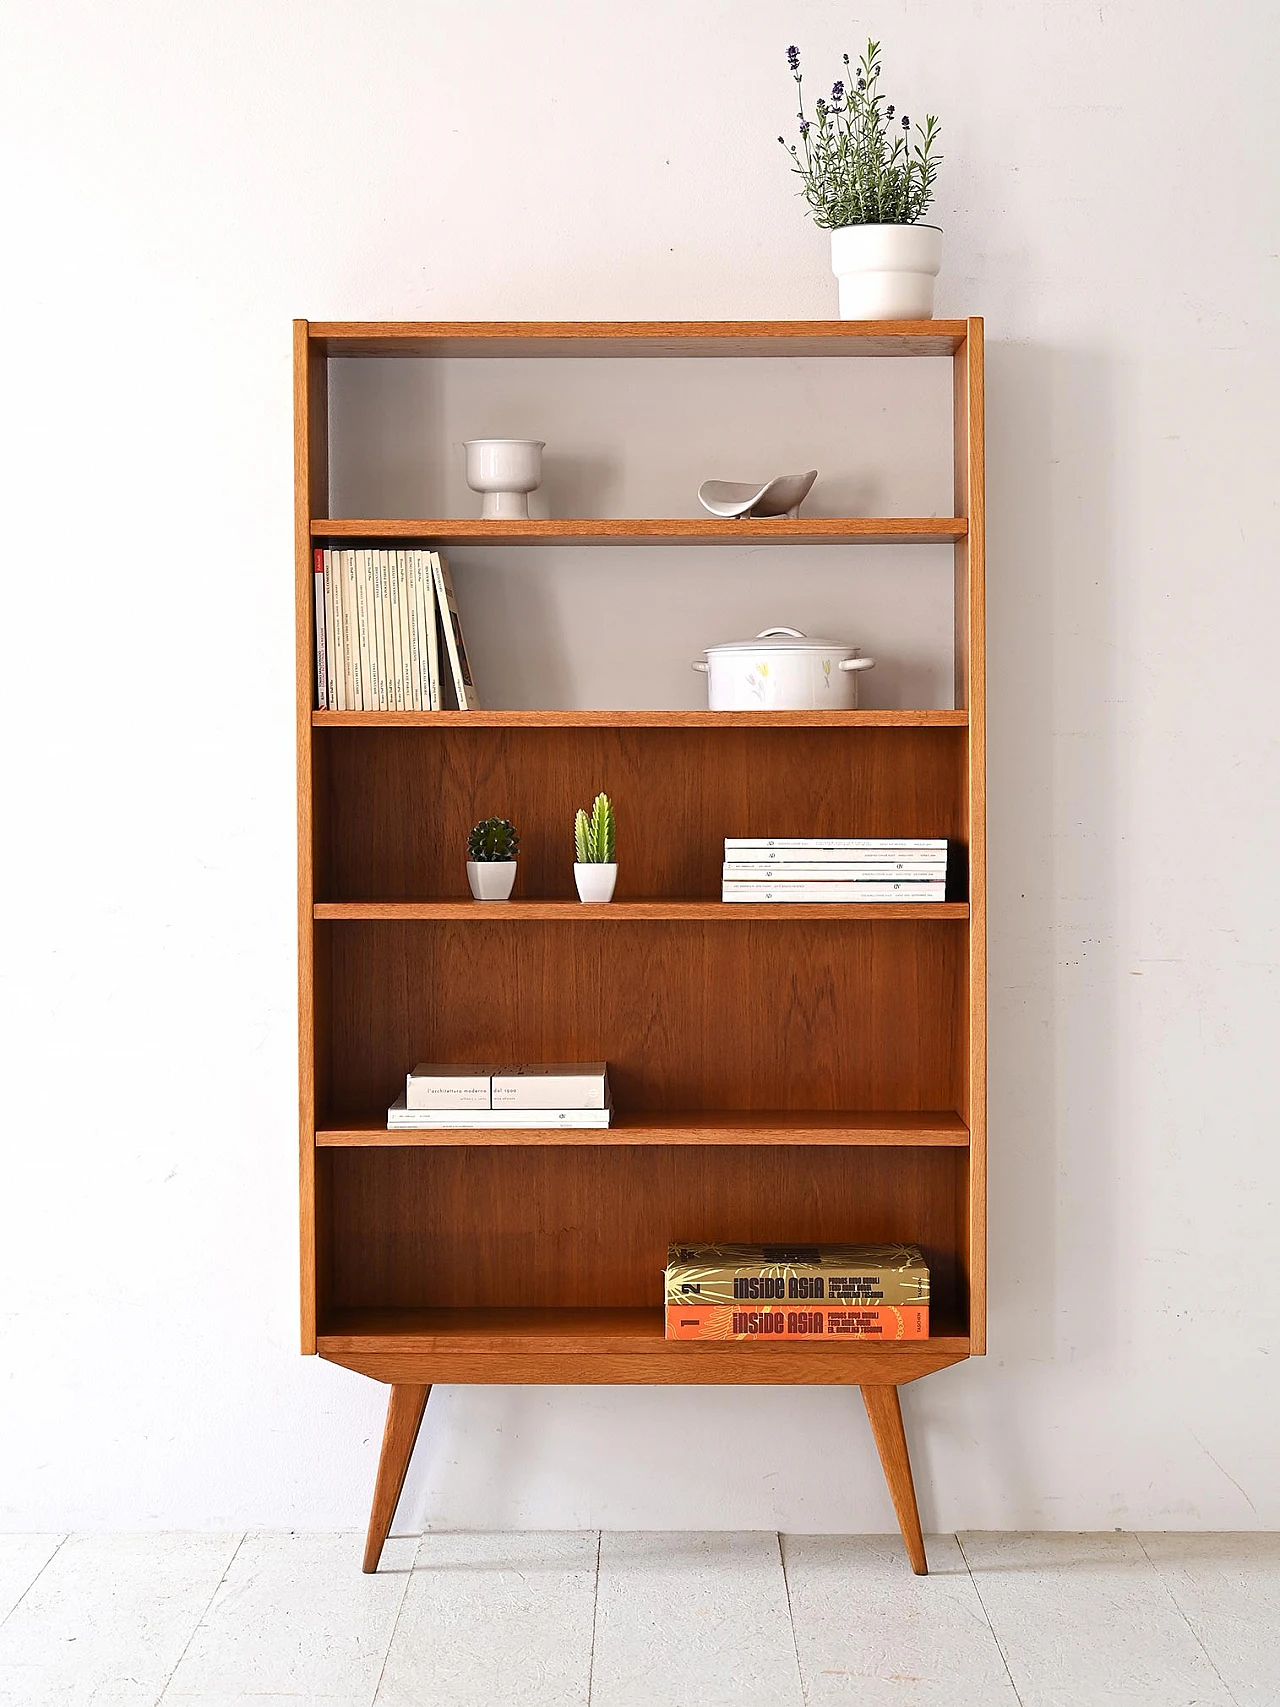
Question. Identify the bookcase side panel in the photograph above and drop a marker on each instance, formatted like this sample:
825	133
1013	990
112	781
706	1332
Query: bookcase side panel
310	408
970	617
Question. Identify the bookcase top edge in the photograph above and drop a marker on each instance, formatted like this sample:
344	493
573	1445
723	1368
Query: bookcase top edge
652	337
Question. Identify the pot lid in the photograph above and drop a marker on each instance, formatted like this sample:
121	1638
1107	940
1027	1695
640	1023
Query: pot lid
781	640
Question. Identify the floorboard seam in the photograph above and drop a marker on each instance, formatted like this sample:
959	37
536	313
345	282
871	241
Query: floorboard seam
791	1620
595	1602
995	1636
195	1628
1195	1637
62	1541
395	1623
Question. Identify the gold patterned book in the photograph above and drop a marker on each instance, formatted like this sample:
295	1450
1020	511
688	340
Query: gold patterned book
796	1291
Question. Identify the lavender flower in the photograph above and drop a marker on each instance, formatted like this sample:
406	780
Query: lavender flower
855	171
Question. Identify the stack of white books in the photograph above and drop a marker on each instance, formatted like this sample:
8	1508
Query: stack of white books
572	1094
822	868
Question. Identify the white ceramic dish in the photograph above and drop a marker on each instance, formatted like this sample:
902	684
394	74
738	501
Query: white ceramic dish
782	669
781	496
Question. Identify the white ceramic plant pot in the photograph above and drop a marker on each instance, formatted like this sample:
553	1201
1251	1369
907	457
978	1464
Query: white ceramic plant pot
886	272
595	882
491	879
505	471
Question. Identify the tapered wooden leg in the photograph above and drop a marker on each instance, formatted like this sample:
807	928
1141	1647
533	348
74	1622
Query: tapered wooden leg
404	1418
885	1414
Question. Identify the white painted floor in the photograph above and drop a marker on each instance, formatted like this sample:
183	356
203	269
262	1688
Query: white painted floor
640	1620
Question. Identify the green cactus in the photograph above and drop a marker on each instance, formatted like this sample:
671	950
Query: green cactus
493	839
595	837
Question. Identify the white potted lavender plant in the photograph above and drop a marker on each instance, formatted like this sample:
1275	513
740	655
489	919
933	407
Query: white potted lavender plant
868	185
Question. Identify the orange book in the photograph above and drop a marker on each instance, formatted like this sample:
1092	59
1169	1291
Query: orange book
821	1322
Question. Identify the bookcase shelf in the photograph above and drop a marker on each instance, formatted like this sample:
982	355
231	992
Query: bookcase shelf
923	719
680	530
536	1256
608	1345
721	1126
583	339
632	912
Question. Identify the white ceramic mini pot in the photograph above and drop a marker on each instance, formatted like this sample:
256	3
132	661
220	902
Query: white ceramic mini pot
886	272
491	879
505	471
595	882
782	670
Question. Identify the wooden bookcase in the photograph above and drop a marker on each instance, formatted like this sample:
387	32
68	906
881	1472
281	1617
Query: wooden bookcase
780	1074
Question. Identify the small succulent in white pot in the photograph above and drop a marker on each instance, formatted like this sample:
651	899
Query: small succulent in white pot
492	847
870	186
595	843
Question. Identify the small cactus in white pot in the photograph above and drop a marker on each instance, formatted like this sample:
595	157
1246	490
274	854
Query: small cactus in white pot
595	842
491	859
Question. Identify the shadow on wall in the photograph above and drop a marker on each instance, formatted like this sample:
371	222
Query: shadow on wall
1057	1264
1058	1261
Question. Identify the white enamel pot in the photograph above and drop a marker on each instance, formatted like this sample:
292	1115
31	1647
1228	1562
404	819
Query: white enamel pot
782	670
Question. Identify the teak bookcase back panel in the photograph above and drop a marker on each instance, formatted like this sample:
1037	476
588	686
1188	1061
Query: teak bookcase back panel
779	1075
688	1016
677	793
555	1227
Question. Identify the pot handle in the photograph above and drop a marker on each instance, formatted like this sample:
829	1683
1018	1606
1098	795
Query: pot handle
700	664
857	663
795	633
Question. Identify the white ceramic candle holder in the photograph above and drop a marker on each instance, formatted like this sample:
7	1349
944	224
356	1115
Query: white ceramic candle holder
505	471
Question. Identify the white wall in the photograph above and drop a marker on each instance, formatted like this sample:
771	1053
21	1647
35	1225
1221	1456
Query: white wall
180	181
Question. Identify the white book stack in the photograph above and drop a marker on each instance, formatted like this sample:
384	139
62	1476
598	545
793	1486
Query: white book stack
387	632
804	870
530	1095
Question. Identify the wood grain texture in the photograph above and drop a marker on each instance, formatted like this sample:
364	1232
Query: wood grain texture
970	392
311	463
498	338
612	1346
827	720
779	1015
773	1368
885	1415
631	912
652	530
736	1054
562	1227
405	1406
677	793
805	1126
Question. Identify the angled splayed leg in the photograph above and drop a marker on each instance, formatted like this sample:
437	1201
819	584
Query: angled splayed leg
404	1418
885	1415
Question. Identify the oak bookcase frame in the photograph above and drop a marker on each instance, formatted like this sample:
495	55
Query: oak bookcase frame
847	1103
